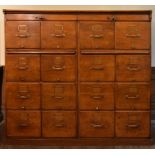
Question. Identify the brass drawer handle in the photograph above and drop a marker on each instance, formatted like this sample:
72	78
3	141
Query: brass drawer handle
133	35
133	68
97	97
97	125
96	36
133	125
132	97
58	68
97	68
23	125
59	97
22	67
23	35
24	96
61	125
58	35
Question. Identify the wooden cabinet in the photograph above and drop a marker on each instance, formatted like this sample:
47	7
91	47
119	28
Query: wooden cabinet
77	77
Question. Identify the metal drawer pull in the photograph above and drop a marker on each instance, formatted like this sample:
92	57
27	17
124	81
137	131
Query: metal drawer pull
132	97
58	35
58	68
22	125
133	35
24	96
96	36
23	35
59	97
97	125
133	125
133	68
60	125
97	68
22	67
99	97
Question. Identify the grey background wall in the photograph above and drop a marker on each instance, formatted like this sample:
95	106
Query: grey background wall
70	7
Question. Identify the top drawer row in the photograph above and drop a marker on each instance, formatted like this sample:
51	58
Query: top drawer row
103	17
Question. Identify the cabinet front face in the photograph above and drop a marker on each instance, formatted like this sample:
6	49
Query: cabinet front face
132	124
22	67
132	35
97	68
96	96
96	124
22	95
58	96
23	123
133	68
59	124
133	96
96	35
58	34
22	34
58	68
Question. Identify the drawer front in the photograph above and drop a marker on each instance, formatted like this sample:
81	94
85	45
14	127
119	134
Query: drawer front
133	96
96	124
133	35
97	67
22	34
133	68
133	124
96	35
58	96
58	35
22	95
96	96
22	67
58	68
23	123
59	124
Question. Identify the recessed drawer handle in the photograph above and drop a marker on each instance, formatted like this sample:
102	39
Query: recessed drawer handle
58	68
22	35
97	125
97	68
22	67
133	35
96	36
133	68
132	97
133	125
58	35
99	97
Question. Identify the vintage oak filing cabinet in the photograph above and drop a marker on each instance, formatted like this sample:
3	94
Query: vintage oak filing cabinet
77	77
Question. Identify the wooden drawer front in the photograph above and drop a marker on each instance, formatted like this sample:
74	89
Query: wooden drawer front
133	124
96	35
23	123
132	35
59	124
22	34
97	68
133	68
96	96
58	96
58	67
96	124
22	67
22	95
133	96
58	35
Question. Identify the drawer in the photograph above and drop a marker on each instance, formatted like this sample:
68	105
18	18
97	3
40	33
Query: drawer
23	123
132	124
22	95
97	67
22	34
133	35
22	67
96	35
133	96
58	34
58	67
96	124
133	68
58	96
59	124
96	96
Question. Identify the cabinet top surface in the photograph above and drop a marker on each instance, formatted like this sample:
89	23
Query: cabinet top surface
76	11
